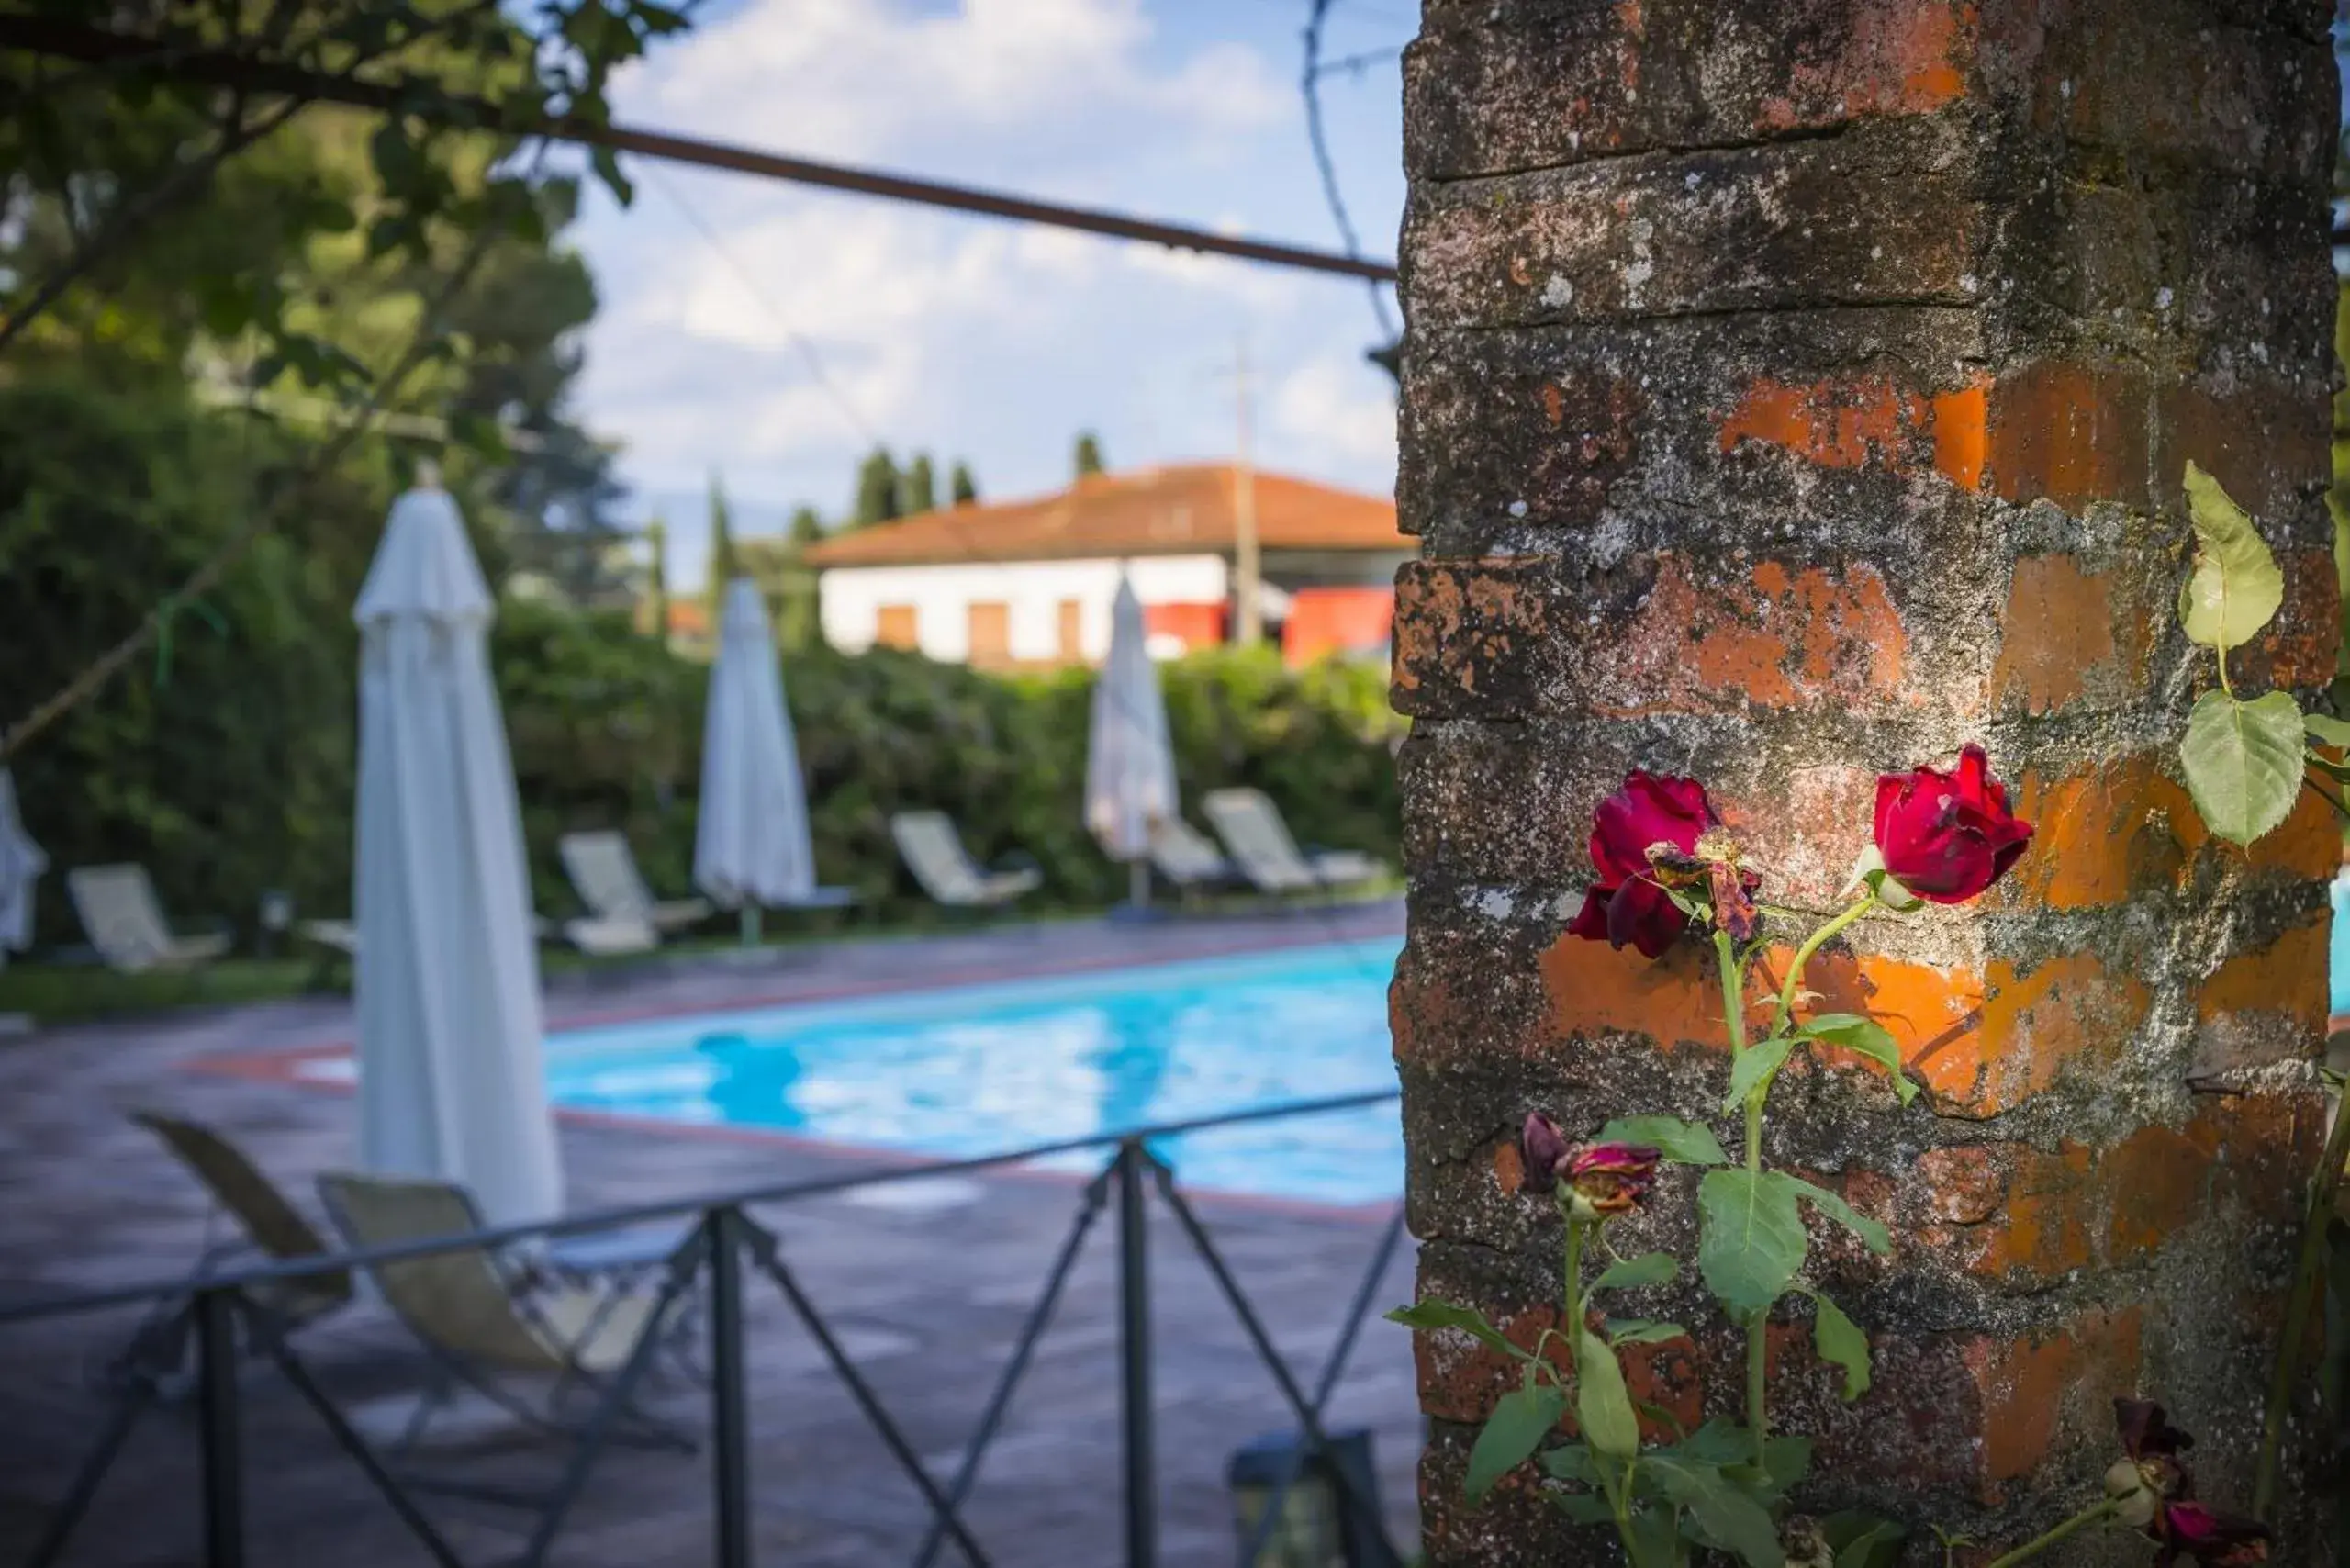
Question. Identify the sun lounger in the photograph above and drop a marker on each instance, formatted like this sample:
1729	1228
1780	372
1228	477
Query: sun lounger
1259	840
933	852
603	871
488	1321
1189	859
117	909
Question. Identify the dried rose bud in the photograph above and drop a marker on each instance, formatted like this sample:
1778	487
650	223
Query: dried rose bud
1542	1149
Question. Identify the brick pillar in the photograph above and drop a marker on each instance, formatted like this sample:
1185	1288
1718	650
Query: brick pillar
1800	387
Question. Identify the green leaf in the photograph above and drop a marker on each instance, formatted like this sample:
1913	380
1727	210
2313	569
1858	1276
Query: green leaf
1583	1508
1435	1315
1863	1037
2327	730
1787	1460
1570	1462
1726	1518
1755	1066
1838	1340
1602	1406
1521	1420
1719	1442
1640	1331
1631	1273
1655	1541
1752	1241
608	169
1877	1238
2235	587
2243	762
1683	1143
1863	1541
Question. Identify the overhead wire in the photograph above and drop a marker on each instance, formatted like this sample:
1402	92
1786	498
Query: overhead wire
1317	138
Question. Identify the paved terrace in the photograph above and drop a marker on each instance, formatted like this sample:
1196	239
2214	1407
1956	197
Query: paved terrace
925	1283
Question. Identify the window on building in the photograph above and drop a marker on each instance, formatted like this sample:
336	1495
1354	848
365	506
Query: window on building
1072	630
897	626
990	626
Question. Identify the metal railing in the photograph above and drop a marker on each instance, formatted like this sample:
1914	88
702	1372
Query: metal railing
222	1319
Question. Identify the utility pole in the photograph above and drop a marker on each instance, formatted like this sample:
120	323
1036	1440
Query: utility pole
1248	610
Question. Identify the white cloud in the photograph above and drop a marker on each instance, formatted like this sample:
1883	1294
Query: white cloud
962	336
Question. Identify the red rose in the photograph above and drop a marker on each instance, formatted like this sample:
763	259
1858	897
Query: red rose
1627	906
1947	837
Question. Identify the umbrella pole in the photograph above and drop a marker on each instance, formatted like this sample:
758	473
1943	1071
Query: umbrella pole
751	914
1138	883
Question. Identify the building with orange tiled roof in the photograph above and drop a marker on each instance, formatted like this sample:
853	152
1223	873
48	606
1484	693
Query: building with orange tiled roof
1029	582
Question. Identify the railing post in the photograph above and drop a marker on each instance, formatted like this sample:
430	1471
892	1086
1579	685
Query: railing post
1137	1418
219	1427
729	1416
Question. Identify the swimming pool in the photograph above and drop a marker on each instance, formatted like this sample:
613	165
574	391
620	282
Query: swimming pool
972	1070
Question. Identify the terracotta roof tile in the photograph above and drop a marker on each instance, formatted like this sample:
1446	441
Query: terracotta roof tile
1180	510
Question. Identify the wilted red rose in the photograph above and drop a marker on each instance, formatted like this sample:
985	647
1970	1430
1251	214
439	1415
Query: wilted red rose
2153	1470
1611	1177
2194	1532
1627	906
1947	837
1542	1149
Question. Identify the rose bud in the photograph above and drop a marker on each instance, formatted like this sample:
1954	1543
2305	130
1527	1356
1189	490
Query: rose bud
1627	906
1609	1179
2152	1472
1947	837
1542	1150
2194	1532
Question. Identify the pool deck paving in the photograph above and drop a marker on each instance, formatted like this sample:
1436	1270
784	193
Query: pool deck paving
925	1283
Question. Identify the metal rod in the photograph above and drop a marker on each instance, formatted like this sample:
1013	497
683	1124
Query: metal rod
424	97
1307	1416
763	1243
616	1400
632	1214
1136	1418
1040	1316
224	1498
730	1422
167	1341
264	1330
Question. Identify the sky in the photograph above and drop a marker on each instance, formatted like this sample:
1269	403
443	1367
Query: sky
773	333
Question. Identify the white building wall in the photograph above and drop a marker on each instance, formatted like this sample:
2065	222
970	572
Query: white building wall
852	599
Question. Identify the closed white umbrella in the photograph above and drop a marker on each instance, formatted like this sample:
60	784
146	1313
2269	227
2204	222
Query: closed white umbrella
750	843
1129	764
22	863
451	1080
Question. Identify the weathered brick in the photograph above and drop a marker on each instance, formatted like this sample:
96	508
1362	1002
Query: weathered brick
2069	632
1741	230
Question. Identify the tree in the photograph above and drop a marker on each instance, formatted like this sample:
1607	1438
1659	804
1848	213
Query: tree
962	490
876	490
798	622
656	540
1088	454
722	564
921	488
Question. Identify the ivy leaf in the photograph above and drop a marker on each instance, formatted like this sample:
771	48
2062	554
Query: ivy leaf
1838	1340
1726	1518
1521	1420
1876	1236
1640	1331
2243	762
1755	1066
1683	1143
2235	587
1862	1037
1647	1269
1602	1406
1434	1315
1752	1241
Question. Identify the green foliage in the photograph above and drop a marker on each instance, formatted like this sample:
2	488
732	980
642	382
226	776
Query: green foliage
1862	1037
1087	458
877	490
1841	1343
1754	1239
1602	1405
918	487
961	488
723	563
1632	1273
1521	1420
2235	587
2243	762
1433	1314
1683	1143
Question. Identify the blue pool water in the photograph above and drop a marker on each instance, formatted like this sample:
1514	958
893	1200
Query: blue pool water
973	1069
